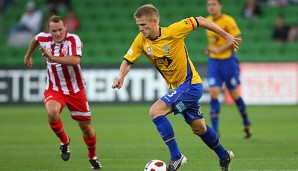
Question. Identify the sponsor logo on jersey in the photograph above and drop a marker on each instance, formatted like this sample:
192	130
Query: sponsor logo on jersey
180	106
163	62
130	51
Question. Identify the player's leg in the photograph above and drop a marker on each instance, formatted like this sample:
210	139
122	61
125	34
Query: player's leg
89	137
158	113
215	83
195	118
214	107
79	109
232	80
235	93
193	115
211	139
53	110
54	103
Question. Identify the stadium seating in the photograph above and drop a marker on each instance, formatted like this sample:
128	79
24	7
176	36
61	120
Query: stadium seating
108	29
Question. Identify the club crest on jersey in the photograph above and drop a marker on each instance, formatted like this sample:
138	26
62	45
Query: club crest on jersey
166	48
149	50
64	50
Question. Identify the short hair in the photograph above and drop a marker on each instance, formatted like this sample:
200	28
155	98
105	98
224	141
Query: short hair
55	19
148	10
219	1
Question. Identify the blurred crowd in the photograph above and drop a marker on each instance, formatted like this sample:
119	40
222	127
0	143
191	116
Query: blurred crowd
282	32
34	18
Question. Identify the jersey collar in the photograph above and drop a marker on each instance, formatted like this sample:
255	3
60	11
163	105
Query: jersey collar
157	36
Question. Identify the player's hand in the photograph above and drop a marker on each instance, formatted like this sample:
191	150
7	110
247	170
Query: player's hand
233	41
207	51
45	53
28	61
117	83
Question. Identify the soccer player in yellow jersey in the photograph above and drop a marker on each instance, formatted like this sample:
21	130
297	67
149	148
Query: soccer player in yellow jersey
223	65
165	48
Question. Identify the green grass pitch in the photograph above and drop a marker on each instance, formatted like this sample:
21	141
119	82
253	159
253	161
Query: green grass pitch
127	139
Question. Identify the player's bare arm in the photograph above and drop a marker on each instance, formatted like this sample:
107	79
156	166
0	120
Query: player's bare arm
124	69
27	59
218	49
231	40
65	60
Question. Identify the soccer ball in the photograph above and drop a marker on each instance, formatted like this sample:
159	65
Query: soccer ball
155	165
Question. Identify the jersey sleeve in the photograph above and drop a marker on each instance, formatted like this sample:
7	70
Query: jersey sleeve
232	27
135	50
182	28
75	48
42	37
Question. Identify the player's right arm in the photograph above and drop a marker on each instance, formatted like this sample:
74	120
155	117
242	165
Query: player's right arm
32	46
124	69
132	55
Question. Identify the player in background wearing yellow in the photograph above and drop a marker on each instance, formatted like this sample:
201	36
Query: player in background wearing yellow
165	48
223	65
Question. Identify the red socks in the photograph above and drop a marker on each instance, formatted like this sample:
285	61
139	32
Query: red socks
91	145
57	127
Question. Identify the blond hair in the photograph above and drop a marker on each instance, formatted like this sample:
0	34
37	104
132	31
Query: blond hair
148	10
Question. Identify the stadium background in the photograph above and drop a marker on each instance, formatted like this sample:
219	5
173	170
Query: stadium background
112	22
126	137
108	29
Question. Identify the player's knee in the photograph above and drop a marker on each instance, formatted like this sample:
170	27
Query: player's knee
53	109
87	129
88	132
53	115
153	113
199	130
235	94
214	92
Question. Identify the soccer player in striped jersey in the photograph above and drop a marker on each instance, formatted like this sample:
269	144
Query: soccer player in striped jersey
223	65
65	84
165	48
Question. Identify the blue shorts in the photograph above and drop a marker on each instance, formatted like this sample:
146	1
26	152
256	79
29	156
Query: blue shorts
185	100
224	71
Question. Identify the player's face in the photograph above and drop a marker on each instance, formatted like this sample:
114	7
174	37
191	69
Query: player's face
147	27
58	31
213	7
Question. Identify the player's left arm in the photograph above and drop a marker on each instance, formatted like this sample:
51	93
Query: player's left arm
231	40
65	60
222	48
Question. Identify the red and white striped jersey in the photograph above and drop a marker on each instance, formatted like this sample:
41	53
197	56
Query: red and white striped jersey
63	78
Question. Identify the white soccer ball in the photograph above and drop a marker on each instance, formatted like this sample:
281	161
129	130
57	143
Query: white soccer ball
155	165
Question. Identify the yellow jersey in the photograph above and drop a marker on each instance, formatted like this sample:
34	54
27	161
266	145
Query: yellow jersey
228	24
168	53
